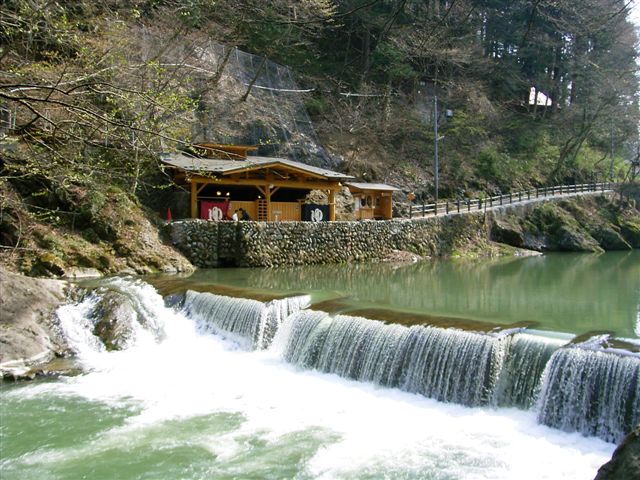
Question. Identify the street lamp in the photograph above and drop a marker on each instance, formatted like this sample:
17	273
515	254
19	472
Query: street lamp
436	166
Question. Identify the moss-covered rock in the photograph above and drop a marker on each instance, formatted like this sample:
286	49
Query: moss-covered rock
109	232
610	239
508	230
630	230
585	224
572	239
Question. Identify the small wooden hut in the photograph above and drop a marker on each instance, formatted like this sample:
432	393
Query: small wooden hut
372	200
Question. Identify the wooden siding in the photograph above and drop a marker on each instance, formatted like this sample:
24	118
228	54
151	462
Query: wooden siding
364	213
250	207
280	211
285	211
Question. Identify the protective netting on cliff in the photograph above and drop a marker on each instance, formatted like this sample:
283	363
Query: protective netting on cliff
273	116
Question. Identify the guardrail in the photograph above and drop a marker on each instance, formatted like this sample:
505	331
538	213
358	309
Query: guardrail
480	204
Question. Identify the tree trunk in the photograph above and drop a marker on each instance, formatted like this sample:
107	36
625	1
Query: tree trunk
254	79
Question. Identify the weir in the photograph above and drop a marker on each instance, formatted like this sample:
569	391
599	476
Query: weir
573	388
250	322
524	364
592	392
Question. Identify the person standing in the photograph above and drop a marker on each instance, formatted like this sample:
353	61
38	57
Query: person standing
244	215
234	217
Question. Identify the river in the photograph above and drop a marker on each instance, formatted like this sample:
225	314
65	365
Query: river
280	390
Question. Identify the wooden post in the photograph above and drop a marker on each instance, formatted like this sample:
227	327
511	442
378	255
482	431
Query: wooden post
332	205
267	196
389	205
194	199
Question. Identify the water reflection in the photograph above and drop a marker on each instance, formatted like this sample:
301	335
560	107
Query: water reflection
563	292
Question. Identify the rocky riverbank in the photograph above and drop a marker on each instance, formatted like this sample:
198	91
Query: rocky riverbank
30	338
592	223
96	232
32	341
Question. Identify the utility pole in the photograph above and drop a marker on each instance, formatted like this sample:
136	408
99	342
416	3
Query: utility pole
435	130
612	152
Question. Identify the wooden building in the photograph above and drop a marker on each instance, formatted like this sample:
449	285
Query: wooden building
372	200
223	178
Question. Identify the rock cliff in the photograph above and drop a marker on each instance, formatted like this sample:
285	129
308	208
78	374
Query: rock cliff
580	224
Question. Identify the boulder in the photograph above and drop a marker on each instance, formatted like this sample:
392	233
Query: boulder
175	300
29	333
507	230
115	320
625	462
609	239
630	230
569	238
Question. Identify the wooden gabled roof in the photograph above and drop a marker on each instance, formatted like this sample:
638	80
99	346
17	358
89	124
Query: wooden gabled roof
223	151
226	167
370	187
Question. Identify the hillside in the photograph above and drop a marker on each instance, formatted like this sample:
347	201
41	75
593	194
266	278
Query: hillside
90	92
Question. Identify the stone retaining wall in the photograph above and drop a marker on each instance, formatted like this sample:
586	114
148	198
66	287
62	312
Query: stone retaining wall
575	224
266	244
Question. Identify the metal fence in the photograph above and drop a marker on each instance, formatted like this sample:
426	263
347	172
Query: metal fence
485	203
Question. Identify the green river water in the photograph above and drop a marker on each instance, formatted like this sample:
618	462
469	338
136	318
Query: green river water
572	293
197	406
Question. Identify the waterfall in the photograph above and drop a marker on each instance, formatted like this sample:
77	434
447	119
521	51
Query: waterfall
251	323
524	365
448	365
576	388
76	324
121	310
592	392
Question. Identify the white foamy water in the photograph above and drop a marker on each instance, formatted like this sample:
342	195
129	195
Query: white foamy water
365	430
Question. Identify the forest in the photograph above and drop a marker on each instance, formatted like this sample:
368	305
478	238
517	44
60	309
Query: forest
527	93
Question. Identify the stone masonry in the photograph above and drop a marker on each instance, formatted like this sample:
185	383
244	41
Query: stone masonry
265	244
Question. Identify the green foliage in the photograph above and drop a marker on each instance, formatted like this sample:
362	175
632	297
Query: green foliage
467	129
550	217
391	64
316	106
40	29
496	167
